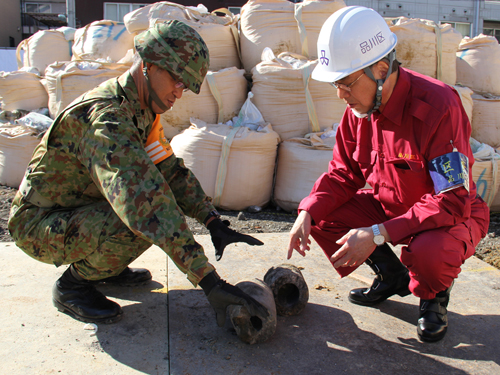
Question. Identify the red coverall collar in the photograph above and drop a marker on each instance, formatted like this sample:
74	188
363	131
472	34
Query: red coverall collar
393	110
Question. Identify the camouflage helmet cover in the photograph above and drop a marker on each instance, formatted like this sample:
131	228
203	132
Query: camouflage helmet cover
177	48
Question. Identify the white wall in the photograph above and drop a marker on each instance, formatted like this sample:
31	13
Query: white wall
8	62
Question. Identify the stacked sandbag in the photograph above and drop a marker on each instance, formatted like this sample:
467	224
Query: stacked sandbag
104	40
427	48
220	33
15	154
45	47
22	90
465	94
235	165
478	64
66	81
486	119
495	205
17	143
466	98
301	161
282	26
221	96
485	172
290	100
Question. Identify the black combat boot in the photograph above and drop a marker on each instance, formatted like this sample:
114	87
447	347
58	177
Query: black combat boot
76	296
391	278
433	321
129	277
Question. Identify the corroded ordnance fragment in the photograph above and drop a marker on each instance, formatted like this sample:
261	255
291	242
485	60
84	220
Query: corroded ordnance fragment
254	329
289	289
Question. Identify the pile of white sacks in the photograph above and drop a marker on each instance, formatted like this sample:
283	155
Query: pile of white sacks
270	50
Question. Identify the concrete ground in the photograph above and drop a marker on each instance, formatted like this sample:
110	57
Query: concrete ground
168	326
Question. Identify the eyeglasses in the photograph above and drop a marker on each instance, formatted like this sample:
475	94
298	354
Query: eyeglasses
346	87
178	84
181	85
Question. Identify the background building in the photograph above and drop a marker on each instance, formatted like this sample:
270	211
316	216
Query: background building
40	15
10	24
469	17
92	10
20	18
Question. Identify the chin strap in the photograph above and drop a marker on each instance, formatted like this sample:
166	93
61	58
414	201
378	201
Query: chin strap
152	94
380	83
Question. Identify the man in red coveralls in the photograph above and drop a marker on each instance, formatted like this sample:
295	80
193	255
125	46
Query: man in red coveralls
407	136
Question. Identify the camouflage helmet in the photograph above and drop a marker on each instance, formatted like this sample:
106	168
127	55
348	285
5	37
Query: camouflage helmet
177	48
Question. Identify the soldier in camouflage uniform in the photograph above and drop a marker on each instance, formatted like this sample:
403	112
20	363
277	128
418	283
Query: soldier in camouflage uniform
104	185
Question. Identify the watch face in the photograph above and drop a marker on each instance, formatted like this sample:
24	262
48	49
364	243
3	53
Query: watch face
379	240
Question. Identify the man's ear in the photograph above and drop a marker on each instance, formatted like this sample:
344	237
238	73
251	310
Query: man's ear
380	69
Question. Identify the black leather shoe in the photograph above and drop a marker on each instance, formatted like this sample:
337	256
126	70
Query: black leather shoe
129	277
77	297
380	291
433	321
391	278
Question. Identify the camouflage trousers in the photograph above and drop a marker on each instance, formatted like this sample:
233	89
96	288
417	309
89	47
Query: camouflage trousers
92	237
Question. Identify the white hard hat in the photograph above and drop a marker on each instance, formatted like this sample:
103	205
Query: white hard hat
351	39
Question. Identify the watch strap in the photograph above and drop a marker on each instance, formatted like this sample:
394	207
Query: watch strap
378	238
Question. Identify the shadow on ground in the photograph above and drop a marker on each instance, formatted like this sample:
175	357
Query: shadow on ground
140	339
322	340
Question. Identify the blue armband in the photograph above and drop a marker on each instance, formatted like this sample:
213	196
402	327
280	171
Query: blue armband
449	171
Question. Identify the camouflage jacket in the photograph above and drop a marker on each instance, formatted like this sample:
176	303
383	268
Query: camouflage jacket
95	150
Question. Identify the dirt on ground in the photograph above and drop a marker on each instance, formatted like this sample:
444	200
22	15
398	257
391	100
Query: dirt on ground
271	220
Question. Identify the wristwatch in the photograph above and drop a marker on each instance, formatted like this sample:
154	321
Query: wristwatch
378	238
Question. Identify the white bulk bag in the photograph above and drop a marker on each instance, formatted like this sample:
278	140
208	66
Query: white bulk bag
485	171
220	33
290	100
139	19
495	205
66	81
301	161
45	47
478	64
485	174
221	96
107	40
21	90
486	119
15	155
427	48
282	26
466	98
236	174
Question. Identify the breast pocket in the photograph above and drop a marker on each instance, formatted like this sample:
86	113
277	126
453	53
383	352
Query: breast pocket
366	158
411	180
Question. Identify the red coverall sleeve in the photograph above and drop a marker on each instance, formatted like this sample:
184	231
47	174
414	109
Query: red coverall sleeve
445	209
340	183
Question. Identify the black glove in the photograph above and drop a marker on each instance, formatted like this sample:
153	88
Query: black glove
221	294
223	236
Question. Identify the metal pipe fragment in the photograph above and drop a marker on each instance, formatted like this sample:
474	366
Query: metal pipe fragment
254	329
289	289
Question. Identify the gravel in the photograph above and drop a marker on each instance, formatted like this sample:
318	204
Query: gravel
6	196
271	220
